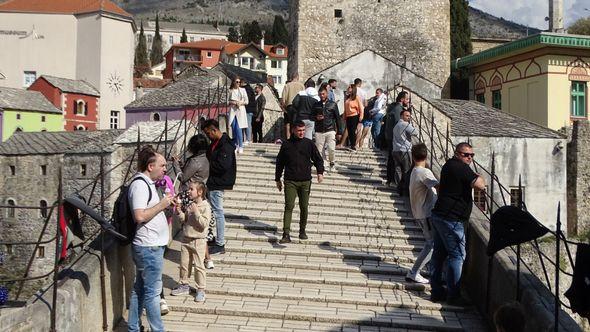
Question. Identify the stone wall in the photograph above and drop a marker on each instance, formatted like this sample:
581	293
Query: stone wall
578	179
415	34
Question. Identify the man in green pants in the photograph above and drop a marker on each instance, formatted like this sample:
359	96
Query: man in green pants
296	157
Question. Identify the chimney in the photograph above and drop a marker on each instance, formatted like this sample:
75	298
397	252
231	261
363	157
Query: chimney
262	41
556	16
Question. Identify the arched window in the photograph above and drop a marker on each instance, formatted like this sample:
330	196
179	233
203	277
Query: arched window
156	116
80	127
11	210
43	210
81	108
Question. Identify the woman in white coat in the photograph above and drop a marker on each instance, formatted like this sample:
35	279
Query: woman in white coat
238	99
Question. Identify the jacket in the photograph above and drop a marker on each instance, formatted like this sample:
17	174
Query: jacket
196	220
222	164
392	117
303	107
296	157
251	106
260	105
196	167
332	120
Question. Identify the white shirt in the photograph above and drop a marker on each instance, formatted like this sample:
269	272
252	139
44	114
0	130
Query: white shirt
379	106
361	93
422	192
154	232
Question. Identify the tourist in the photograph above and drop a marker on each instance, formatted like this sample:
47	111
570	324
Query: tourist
360	91
222	176
150	239
422	199
296	157
353	114
258	115
238	99
328	126
303	107
367	122
402	145
450	213
510	317
271	85
378	112
250	109
332	83
290	90
195	217
391	118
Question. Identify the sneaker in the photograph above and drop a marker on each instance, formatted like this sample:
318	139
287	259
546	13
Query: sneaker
181	289
246	143
209	265
217	249
163	307
302	235
200	297
416	278
332	167
240	150
285	239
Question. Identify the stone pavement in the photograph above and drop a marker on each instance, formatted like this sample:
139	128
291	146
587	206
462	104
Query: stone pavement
349	275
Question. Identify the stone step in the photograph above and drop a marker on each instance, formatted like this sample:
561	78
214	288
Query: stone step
265	172
329	181
274	148
374	198
342	168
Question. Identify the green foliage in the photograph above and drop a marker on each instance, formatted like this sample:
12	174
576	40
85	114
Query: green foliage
460	29
233	35
142	64
156	55
580	27
184	37
250	32
279	34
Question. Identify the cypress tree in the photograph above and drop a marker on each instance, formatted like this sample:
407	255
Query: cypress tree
233	35
156	55
255	32
460	46
279	34
183	38
245	35
142	64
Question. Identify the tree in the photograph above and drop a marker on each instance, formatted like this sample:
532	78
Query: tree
233	35
460	46
250	32
183	38
279	34
580	27
156	55
142	64
245	33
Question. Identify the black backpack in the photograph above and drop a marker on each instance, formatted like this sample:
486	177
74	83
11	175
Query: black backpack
123	215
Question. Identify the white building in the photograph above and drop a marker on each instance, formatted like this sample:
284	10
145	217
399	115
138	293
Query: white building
172	31
89	40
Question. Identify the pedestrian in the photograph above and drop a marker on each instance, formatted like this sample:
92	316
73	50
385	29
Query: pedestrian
222	176
353	113
258	115
402	145
423	186
450	213
150	239
391	118
238	99
303	107
328	126
378	112
195	217
250	110
360	91
271	85
296	157
367	122
332	84
290	90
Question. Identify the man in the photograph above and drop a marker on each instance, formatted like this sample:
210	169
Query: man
150	239
422	199
303	107
391	118
328	126
296	157
250	109
360	92
290	90
378	112
451	211
258	116
271	85
331	87
222	176
402	145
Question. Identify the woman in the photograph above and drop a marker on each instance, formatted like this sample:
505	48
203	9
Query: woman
353	114
238	99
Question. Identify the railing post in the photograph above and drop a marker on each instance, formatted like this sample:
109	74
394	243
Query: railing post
491	258
420	124
105	325
185	132
557	255
520	206
165	135
447	143
56	262
432	139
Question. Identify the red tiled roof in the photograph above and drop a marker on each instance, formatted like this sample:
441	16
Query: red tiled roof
271	51
208	44
232	48
62	6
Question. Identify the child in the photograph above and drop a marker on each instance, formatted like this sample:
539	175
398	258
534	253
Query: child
195	217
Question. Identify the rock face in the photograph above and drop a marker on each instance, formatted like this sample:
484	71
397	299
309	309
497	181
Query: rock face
415	34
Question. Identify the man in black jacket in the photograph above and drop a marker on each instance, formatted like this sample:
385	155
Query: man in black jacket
303	105
328	126
222	176
250	110
296	157
258	117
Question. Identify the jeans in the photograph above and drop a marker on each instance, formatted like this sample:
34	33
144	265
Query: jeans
403	163
426	253
294	189
376	129
449	244
216	201
147	287
327	139
249	129
309	128
238	139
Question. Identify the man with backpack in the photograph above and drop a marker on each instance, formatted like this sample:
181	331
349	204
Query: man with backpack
150	238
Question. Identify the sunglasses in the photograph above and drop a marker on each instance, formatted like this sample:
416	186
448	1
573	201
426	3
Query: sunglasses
466	155
238	81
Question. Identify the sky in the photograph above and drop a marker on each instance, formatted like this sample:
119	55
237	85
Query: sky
532	12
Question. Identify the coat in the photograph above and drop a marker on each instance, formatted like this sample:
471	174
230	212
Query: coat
238	112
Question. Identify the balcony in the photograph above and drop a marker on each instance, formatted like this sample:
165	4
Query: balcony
189	58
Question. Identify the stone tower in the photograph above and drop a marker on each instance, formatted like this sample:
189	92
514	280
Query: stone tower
412	33
556	15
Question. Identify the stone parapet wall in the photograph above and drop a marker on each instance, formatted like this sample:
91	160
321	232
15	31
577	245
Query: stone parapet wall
578	179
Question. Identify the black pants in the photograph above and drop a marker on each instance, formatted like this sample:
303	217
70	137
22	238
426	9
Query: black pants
257	131
351	124
403	164
390	165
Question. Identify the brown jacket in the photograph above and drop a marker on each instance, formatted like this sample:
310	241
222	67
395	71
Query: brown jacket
196	220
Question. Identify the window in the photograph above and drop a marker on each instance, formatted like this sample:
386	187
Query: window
83	169
114	120
280	51
41	252
245	61
156	117
192	39
480	200
338	13
29	78
497	99
515	196
81	107
12	170
276	64
11	211
9	249
578	99
43	210
42	118
209	54
43	130
171	40
43	169
18	116
79	127
277	79
480	98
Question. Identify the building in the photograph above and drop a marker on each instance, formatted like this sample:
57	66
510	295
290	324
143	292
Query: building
28	111
74	40
171	33
542	78
77	99
205	53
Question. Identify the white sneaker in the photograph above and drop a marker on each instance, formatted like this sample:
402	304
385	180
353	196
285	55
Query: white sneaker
163	307
240	150
416	278
209	265
246	143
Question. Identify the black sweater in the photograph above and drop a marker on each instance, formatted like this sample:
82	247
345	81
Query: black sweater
222	165
295	157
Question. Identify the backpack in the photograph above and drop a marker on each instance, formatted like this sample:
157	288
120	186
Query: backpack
123	215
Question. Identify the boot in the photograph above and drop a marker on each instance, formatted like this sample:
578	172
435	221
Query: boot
286	238
302	235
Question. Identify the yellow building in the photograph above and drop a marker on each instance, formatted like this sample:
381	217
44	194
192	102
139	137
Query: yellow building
543	78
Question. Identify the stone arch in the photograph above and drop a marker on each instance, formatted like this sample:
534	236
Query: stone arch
11	209
496	82
480	86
